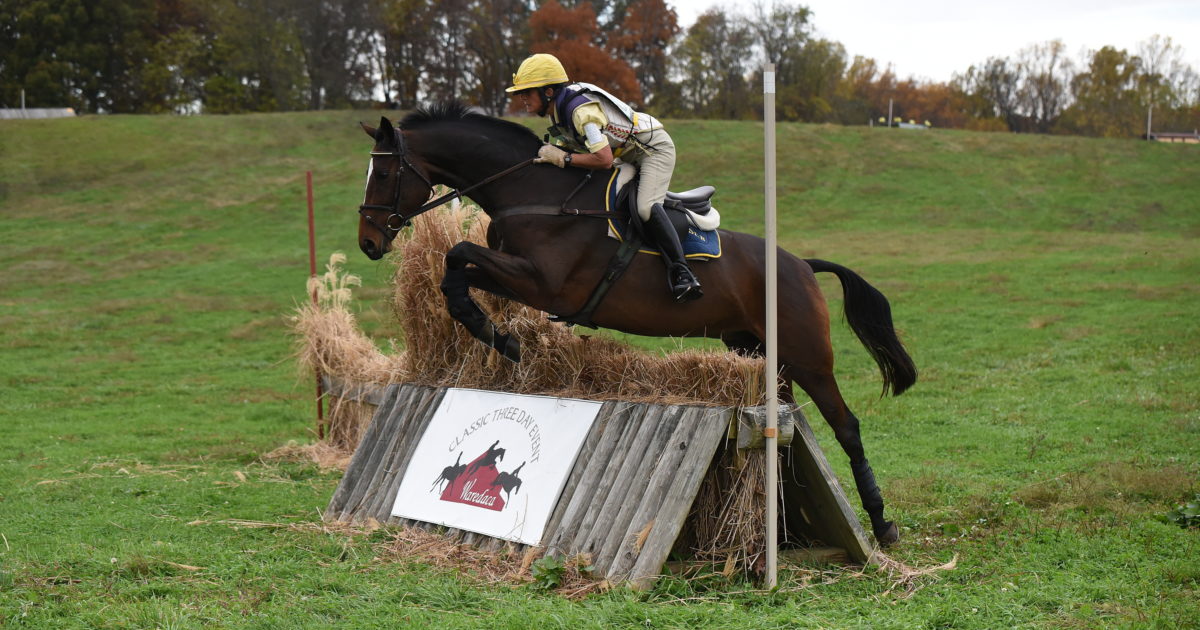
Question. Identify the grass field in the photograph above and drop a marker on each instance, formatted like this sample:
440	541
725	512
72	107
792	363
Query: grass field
1047	288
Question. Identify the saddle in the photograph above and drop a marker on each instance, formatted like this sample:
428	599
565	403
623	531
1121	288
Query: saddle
697	201
691	214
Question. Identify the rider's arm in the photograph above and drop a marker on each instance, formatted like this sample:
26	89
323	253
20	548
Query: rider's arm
589	120
601	159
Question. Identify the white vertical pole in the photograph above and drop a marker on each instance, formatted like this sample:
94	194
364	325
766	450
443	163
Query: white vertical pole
772	369
891	122
1149	119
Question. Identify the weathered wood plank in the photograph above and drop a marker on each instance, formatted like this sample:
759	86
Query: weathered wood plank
425	402
815	555
406	410
752	421
387	438
368	393
711	425
622	528
589	495
621	482
370	441
670	464
809	485
629	491
587	453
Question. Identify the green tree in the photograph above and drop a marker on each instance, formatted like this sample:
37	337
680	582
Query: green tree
87	54
1043	91
406	42
1169	86
334	41
256	61
714	60
1106	95
499	39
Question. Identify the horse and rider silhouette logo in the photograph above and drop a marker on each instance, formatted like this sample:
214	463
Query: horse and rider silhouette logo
479	482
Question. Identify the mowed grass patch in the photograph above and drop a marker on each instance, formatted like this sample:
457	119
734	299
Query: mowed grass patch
1045	286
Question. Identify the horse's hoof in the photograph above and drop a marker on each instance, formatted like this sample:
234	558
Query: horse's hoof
889	536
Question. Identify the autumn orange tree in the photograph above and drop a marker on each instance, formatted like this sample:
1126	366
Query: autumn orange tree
641	39
572	35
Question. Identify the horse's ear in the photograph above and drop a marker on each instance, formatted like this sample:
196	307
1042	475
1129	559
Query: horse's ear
386	134
367	128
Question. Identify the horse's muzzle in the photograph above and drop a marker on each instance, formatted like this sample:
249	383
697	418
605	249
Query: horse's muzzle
369	248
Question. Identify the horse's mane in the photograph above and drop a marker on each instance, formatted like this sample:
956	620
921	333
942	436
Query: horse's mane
452	111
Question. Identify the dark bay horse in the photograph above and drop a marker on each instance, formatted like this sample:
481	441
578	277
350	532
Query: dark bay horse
551	262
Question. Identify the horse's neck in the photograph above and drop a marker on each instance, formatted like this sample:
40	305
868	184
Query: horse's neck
452	163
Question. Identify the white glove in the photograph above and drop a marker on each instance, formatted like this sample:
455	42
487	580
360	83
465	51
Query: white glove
550	154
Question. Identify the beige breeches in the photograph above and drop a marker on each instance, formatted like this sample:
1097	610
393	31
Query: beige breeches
655	166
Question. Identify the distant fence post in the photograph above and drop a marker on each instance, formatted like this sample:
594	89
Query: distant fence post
312	273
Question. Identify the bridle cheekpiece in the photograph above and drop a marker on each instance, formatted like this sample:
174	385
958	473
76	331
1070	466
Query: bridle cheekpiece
396	221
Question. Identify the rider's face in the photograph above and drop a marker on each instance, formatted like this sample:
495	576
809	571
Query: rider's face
529	101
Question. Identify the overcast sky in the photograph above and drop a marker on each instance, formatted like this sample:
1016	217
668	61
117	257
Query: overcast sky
932	39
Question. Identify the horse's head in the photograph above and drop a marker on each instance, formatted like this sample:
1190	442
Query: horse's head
395	188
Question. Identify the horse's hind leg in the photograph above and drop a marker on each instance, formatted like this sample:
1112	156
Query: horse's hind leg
823	389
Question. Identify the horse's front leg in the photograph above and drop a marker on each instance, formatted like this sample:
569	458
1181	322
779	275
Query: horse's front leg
496	272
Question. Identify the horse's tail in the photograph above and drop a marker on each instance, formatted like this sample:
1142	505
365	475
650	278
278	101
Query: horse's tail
870	317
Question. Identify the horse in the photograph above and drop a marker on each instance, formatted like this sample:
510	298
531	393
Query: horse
450	473
489	458
509	481
540	256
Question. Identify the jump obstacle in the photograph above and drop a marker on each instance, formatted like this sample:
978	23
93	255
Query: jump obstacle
631	490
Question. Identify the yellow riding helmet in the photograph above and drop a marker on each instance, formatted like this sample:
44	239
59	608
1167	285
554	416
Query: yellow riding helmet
536	71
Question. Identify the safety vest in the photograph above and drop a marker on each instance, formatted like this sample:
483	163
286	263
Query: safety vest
623	120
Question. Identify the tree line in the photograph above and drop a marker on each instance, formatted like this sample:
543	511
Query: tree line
225	56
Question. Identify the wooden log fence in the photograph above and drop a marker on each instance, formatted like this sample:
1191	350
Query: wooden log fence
631	488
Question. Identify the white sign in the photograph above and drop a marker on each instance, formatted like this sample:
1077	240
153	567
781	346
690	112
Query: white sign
494	463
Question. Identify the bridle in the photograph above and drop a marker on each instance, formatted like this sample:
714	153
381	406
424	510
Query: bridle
397	221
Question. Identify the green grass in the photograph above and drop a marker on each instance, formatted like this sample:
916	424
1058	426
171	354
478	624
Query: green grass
1046	286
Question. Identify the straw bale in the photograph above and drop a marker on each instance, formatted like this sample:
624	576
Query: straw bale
727	524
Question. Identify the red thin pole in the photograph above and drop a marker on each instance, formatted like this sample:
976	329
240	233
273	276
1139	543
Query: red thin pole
312	272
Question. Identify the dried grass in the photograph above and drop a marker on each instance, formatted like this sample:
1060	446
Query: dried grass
727	525
906	580
505	566
324	454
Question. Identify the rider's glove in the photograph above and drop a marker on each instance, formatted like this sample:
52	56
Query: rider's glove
550	154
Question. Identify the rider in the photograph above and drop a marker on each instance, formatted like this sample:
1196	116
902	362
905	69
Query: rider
598	127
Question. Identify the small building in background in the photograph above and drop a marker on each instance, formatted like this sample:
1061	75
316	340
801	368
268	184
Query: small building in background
1170	136
37	112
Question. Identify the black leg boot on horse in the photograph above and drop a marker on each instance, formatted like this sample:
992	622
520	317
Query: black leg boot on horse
683	283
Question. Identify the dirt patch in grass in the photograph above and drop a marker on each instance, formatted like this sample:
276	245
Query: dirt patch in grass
1124	488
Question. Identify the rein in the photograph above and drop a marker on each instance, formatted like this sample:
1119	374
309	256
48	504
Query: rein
388	230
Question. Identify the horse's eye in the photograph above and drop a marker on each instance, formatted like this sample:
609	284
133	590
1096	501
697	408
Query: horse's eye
381	174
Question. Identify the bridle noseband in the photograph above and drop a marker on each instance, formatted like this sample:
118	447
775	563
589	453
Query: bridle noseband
395	221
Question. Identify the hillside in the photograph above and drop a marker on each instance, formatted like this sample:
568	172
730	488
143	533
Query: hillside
1046	287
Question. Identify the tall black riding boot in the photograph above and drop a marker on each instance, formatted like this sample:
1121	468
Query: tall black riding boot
683	283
